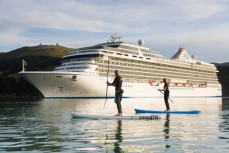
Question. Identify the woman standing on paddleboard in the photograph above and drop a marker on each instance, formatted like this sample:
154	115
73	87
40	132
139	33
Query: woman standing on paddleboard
118	91
166	93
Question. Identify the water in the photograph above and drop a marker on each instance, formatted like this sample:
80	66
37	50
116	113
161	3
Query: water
46	126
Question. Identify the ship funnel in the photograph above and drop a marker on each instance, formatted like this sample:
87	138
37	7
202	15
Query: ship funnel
182	55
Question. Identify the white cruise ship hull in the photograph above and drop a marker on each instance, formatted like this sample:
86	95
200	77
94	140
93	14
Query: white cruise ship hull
80	85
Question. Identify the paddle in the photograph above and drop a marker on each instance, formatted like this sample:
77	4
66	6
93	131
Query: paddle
107	84
163	94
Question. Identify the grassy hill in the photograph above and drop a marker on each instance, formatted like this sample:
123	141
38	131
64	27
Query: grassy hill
42	57
223	77
41	50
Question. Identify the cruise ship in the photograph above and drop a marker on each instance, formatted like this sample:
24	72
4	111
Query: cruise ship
83	72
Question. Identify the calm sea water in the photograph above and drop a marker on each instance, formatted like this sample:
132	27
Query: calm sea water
46	126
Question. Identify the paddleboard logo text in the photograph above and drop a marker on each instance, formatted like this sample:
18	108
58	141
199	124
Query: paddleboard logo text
152	117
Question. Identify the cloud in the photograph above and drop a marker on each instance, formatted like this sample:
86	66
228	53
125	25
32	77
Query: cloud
190	10
92	17
177	22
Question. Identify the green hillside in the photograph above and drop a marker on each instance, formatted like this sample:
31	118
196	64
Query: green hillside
41	50
223	77
42	58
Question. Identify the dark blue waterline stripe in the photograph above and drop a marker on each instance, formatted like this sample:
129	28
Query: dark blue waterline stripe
127	97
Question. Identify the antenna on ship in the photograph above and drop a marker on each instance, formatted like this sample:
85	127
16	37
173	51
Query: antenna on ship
115	37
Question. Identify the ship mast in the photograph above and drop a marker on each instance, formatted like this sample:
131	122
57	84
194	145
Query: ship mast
24	64
115	37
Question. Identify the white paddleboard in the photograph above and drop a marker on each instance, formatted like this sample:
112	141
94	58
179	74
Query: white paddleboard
101	117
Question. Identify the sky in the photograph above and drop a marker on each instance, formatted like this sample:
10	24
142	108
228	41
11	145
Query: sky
200	26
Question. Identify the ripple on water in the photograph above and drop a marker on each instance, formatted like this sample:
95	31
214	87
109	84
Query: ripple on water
47	127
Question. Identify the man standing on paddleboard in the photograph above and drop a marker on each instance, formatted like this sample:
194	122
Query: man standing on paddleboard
118	91
166	93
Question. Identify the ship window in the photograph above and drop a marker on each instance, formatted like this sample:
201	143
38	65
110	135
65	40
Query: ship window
114	46
130	48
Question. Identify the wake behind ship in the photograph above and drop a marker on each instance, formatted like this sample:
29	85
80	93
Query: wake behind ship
83	73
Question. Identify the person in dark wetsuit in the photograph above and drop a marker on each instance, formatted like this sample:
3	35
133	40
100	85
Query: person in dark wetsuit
166	93
118	91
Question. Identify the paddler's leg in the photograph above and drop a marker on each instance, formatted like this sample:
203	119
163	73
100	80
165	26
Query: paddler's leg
166	98
118	98
119	107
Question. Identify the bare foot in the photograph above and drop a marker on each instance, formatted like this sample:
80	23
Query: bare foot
119	114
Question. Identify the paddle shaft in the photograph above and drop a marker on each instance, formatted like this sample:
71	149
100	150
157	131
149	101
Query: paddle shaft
107	84
169	98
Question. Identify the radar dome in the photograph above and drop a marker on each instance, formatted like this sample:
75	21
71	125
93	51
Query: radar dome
140	42
193	56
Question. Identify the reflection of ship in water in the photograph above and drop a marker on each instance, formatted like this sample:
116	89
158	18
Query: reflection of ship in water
167	129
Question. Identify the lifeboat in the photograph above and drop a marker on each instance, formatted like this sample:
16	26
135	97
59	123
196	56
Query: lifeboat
195	85
172	84
191	84
153	83
179	84
202	85
187	84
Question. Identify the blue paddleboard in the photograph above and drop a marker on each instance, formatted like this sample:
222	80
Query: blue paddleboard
166	112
